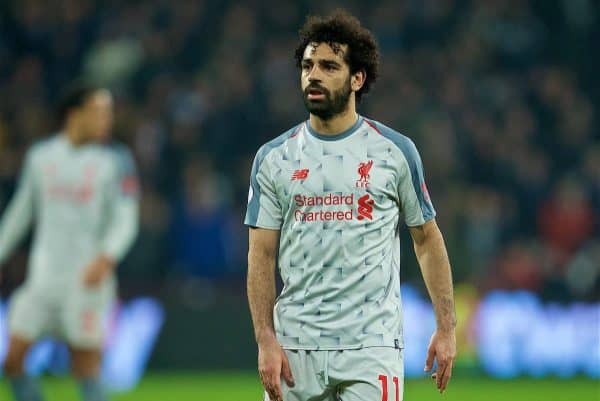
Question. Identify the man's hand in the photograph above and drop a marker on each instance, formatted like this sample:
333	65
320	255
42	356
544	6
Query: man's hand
272	365
443	348
97	271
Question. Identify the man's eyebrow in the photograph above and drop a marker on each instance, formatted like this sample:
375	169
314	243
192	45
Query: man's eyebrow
330	62
323	61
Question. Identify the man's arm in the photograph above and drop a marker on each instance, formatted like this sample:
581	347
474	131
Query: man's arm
272	361
261	281
122	230
123	220
19	214
435	267
119	237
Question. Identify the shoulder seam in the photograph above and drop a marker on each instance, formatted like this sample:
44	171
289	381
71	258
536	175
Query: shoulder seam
387	136
291	133
372	125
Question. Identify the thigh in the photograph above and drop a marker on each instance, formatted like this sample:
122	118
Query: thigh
31	315
15	356
308	370
85	363
369	374
84	315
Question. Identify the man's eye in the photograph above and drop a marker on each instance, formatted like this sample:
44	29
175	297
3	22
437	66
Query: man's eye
306	67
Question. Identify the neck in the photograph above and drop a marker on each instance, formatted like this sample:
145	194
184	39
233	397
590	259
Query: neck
74	136
336	124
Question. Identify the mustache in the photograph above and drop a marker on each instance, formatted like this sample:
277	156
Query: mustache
317	87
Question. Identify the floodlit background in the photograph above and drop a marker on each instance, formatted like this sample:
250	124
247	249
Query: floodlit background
500	96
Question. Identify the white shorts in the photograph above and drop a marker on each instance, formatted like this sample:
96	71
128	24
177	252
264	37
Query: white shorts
76	314
375	373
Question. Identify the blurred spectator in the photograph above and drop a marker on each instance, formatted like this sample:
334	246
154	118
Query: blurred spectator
520	266
566	220
199	230
591	175
483	227
583	272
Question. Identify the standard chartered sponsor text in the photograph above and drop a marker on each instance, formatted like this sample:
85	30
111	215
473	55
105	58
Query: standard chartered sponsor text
325	200
321	215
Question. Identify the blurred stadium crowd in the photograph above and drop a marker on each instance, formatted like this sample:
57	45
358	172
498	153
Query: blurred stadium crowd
500	96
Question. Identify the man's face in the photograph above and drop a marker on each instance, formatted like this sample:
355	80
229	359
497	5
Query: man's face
325	80
96	116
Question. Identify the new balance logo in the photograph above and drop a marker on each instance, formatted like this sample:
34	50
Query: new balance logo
365	207
301	174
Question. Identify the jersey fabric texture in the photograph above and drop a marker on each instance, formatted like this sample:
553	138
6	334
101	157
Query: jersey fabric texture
337	201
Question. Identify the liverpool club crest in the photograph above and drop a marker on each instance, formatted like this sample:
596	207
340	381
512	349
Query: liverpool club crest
363	171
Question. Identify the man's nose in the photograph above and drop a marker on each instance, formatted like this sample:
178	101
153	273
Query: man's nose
314	75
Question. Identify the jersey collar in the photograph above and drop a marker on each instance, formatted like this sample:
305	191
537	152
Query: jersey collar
335	137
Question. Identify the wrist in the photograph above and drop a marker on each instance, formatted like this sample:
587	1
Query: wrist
265	337
446	330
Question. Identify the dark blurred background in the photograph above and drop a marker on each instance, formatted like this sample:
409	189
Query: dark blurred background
500	96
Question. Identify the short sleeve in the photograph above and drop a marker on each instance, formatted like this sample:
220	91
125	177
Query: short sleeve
412	190
264	209
126	177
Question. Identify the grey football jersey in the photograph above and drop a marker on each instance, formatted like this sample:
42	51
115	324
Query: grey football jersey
83	201
337	201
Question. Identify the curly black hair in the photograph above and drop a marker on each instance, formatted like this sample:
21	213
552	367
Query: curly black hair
340	27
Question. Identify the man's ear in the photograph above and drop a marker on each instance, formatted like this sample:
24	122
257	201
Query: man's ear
358	80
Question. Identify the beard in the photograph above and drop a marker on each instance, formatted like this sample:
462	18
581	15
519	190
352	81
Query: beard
331	105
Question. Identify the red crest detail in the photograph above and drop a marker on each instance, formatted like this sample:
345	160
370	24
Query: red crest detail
363	170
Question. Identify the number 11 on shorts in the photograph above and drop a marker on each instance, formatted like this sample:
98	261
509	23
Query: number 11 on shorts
384	387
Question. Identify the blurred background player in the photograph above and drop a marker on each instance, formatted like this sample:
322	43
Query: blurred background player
326	199
82	196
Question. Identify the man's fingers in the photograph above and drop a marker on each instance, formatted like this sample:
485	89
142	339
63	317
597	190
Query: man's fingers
447	376
441	368
272	394
430	357
93	276
277	393
286	371
90	281
272	387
